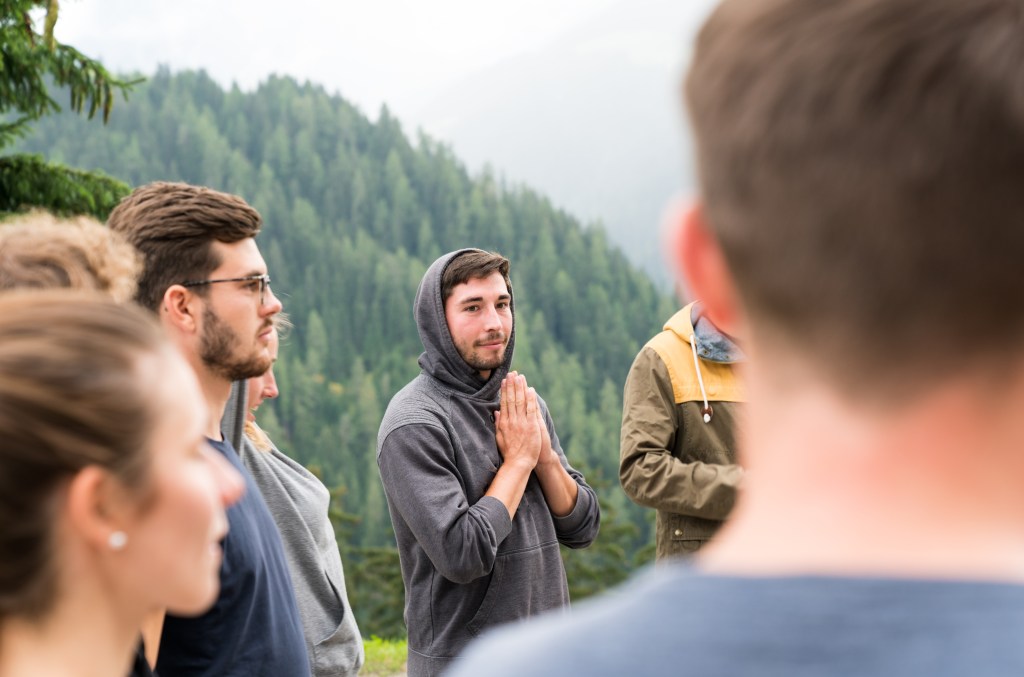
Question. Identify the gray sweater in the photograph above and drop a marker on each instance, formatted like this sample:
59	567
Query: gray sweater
466	566
298	502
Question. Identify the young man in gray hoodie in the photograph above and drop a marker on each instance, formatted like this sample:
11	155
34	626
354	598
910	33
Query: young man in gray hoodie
479	490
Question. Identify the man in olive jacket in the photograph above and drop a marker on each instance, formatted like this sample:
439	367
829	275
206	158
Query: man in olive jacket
677	451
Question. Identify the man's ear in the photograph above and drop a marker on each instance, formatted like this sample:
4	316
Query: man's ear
179	309
706	273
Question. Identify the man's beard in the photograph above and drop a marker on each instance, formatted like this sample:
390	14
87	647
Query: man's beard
481	363
218	348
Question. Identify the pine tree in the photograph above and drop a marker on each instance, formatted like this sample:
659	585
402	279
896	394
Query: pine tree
29	61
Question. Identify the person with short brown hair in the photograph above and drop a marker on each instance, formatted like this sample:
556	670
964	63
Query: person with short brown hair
174	226
861	224
474	263
479	490
206	281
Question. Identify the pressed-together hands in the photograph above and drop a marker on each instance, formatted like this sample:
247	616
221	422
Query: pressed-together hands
519	424
525	446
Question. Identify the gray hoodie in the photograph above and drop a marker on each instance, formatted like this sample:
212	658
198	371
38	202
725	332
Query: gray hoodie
465	564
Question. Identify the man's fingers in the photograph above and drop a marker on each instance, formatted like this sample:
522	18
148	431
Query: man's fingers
531	402
506	395
517	398
521	396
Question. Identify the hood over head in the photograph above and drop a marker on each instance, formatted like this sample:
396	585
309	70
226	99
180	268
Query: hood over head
441	359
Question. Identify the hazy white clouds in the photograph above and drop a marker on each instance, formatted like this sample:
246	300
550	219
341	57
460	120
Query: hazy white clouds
371	51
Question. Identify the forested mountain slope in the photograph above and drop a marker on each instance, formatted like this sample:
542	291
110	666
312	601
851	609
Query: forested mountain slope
354	213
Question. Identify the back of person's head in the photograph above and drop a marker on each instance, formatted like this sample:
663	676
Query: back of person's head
472	265
173	225
860	163
40	251
72	395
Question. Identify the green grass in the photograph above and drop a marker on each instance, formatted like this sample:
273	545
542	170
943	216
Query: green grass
384	657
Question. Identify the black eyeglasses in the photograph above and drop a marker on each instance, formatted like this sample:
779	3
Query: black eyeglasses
263	279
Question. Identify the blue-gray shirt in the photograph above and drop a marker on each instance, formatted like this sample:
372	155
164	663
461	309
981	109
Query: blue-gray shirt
677	621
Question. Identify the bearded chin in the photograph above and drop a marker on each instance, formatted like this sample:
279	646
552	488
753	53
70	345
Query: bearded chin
218	349
240	370
481	364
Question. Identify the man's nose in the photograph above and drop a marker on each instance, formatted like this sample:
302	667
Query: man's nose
271	304
491	318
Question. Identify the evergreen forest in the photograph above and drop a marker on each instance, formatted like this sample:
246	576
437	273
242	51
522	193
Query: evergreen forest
355	210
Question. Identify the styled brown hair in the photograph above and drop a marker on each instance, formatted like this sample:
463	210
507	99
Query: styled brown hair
173	226
72	394
471	265
38	250
860	163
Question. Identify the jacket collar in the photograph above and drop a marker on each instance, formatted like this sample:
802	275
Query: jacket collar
713	345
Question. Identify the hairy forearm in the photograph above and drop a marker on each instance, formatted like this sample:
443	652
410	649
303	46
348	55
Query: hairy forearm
560	489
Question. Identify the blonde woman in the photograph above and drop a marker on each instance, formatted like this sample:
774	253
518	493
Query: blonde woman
298	502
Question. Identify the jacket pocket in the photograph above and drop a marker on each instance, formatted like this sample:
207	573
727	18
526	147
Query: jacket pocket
683	529
340	652
523	583
478	623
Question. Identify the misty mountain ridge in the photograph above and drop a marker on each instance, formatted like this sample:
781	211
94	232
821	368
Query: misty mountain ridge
595	120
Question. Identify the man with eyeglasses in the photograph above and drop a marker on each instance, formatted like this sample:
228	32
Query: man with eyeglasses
205	278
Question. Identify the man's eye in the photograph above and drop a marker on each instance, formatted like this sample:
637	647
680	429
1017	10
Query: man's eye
253	285
471	309
502	305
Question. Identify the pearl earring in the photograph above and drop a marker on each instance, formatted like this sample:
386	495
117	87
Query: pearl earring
117	540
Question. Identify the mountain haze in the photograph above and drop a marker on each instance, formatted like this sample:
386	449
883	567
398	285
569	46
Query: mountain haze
595	119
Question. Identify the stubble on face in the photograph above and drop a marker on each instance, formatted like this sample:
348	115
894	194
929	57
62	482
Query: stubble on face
479	360
220	348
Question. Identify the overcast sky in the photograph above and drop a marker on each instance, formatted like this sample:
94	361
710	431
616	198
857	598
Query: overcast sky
590	114
403	52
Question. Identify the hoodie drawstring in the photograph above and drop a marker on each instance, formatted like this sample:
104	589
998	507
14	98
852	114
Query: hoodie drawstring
707	411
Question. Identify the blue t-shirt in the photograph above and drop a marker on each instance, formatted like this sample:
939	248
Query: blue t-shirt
679	621
254	627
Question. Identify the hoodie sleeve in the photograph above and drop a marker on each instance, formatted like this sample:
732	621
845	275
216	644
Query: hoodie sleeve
579	528
650	471
423	486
